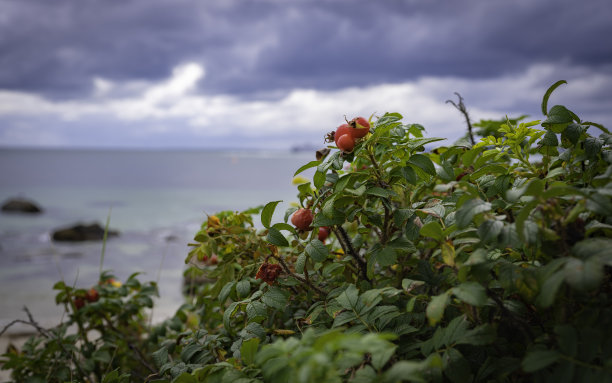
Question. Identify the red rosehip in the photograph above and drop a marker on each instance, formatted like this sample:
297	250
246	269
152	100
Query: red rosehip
302	219
79	303
92	295
360	127
341	131
213	259
346	143
323	233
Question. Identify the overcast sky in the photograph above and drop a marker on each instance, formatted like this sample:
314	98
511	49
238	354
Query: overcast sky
277	73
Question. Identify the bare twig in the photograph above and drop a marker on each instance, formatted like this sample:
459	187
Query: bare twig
461	107
294	275
351	250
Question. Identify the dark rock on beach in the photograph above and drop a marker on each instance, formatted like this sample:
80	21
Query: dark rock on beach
80	232
20	205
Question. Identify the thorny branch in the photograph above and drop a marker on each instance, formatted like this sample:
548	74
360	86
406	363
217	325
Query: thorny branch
461	107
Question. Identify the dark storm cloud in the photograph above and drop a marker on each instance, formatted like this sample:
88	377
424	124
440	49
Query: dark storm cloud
57	47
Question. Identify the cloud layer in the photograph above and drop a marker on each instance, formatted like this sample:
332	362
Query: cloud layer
171	112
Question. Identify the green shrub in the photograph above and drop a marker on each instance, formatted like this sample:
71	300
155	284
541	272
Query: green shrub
484	263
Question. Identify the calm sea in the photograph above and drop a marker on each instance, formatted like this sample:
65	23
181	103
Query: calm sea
158	201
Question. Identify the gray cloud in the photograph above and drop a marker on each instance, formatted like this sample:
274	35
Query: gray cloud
56	48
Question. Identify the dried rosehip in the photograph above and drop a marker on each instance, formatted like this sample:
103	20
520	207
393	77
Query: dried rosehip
268	272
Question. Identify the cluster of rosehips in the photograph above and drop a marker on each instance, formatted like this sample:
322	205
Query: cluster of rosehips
90	296
302	219
210	261
346	134
268	272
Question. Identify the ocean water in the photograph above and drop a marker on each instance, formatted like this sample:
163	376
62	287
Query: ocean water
156	199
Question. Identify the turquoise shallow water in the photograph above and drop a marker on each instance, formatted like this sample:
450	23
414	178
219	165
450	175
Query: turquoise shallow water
158	200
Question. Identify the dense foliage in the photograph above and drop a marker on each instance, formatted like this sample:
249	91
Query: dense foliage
465	263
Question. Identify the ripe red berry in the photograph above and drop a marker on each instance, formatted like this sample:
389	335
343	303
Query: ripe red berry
341	131
302	219
323	233
213	259
79	303
346	143
360	127
92	295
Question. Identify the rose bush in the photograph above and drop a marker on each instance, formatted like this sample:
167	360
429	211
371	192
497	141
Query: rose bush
484	263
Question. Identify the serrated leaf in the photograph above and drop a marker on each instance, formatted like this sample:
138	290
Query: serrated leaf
433	230
189	351
275	237
539	359
267	212
548	93
472	293
317	251
226	291
243	288
300	264
423	162
584	275
489	230
309	165
549	139
436	307
467	211
227	316
275	298
248	350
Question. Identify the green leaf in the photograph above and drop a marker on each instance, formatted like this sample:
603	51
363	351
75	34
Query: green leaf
349	299
318	179
549	139
597	248
190	351
558	117
160	357
409	174
479	336
227	316
226	291
467	211
243	288
572	133
276	298
549	290
248	350
185	377
275	237
337	218
548	93
423	162
584	275
539	359
433	230
267	212
489	230
317	251
404	370
472	293
309	165
592	147
435	308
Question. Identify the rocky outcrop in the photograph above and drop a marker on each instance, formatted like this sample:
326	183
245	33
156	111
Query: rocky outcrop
81	232
20	205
